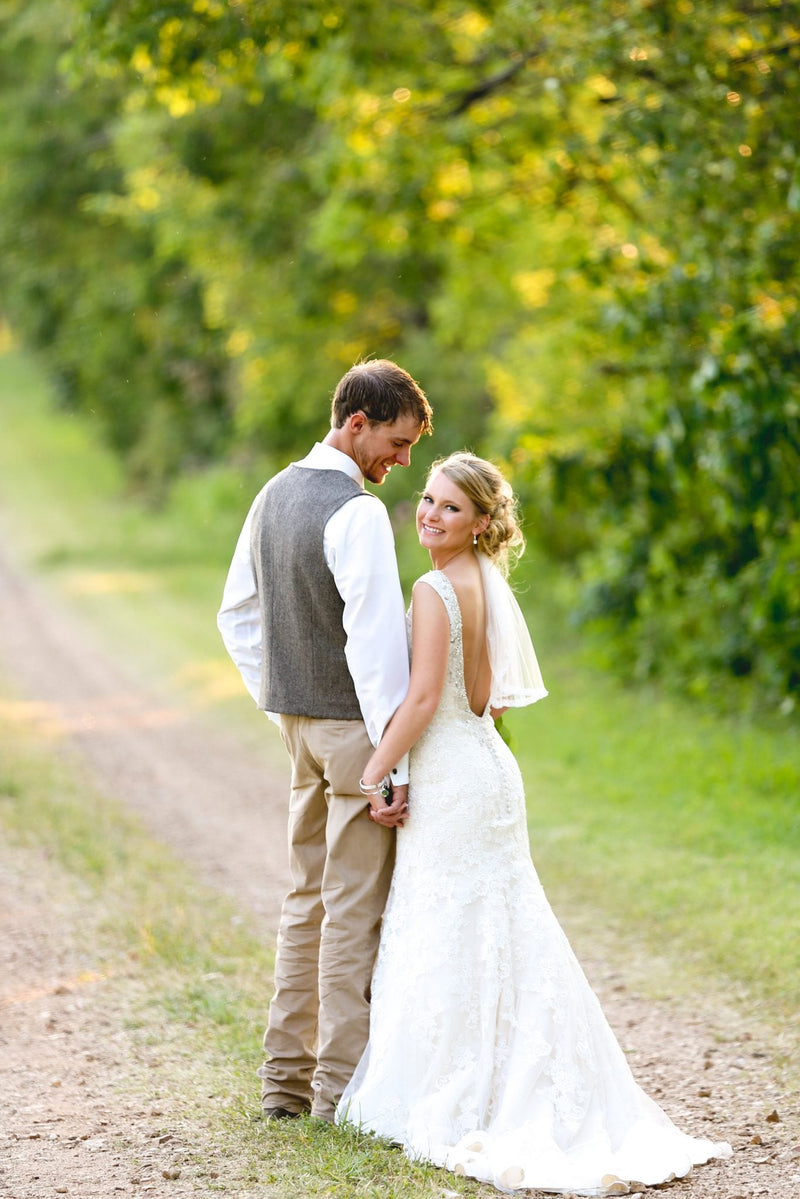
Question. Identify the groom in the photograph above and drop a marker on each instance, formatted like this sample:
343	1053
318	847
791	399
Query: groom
313	616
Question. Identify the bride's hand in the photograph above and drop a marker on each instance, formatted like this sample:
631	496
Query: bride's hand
393	815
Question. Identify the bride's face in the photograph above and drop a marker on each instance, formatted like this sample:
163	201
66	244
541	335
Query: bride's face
447	519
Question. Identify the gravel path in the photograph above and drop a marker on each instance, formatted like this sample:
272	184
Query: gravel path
220	805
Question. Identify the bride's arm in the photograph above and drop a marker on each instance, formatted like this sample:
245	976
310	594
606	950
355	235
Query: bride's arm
430	647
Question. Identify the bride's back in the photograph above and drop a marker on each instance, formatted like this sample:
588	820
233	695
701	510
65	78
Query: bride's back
465	577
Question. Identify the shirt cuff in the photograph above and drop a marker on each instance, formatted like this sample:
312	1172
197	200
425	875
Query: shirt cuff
399	773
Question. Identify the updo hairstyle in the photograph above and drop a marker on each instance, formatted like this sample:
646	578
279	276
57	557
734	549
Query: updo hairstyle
491	495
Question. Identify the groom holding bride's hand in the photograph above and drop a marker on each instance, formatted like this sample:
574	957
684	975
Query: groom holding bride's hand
313	616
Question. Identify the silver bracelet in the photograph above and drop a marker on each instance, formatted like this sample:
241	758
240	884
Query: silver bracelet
383	788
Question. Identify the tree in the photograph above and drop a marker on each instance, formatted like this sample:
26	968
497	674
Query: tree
578	226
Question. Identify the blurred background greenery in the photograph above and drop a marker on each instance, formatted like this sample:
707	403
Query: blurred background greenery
577	225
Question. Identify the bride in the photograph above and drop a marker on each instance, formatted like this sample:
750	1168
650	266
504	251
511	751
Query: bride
488	1052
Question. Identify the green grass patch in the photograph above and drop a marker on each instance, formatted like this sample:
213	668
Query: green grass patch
680	826
667	825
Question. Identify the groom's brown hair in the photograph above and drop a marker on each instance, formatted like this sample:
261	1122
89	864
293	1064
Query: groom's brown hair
384	392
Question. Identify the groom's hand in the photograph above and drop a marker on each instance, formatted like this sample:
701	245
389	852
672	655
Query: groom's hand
394	814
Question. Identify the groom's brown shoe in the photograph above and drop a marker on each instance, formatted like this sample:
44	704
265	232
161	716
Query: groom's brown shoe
280	1113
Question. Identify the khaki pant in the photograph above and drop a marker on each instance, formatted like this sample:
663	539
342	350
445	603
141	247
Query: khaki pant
341	865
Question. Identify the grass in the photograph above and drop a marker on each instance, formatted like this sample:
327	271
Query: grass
680	826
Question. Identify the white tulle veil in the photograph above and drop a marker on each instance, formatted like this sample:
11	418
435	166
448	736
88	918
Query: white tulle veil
516	677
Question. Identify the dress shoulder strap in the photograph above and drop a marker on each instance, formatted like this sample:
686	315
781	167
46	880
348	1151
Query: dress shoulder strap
440	583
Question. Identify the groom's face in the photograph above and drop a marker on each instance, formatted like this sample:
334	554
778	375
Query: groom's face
377	448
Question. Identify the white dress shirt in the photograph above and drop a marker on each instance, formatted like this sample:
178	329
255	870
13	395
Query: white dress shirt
359	551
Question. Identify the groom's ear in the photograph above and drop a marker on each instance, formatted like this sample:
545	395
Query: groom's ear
357	421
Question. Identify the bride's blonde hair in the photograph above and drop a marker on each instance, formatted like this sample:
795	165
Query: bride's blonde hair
492	496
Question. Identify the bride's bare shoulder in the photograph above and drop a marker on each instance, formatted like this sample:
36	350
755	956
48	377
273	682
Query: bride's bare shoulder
467	583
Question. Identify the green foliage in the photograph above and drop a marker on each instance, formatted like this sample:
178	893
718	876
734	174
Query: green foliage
577	225
120	326
696	515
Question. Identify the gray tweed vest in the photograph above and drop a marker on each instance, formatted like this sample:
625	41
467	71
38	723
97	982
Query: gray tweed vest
303	667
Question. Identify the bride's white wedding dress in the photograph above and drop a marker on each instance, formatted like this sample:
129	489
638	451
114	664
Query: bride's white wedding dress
488	1052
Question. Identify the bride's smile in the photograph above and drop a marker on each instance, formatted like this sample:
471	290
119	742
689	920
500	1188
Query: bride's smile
447	519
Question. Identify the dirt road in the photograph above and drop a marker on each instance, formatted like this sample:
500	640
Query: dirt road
66	1126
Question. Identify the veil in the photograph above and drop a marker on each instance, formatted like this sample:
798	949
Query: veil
516	677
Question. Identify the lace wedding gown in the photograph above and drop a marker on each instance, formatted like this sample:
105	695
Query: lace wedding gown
488	1051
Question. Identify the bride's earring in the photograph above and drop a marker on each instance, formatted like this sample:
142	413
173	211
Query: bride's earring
474	538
